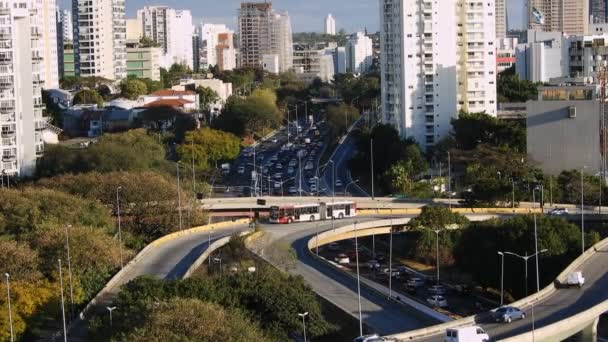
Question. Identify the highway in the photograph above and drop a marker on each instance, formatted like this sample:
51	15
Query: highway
385	317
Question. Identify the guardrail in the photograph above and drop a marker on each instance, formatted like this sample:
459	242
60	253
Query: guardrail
118	277
366	229
524	302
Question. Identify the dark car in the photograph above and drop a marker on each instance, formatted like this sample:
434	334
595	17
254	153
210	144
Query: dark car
507	314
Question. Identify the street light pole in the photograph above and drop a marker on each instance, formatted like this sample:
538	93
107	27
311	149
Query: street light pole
437	231
303	315
119	227
8	299
179	197
110	309
193	172
390	258
67	244
65	334
220	261
450	179
513	193
502	278
358	282
582	212
371	148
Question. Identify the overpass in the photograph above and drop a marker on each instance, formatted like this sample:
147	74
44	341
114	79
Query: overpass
559	312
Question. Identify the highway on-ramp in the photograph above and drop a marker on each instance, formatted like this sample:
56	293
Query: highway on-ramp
384	316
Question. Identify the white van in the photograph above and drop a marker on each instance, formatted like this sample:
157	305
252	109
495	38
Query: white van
466	334
575	279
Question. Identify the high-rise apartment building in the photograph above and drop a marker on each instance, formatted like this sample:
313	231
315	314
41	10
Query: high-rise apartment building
359	53
330	25
22	72
47	23
143	61
265	35
598	11
65	18
217	46
568	16
100	35
170	28
437	58
501	19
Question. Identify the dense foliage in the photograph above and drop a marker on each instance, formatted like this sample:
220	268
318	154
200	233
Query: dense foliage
134	150
88	96
252	115
511	89
207	146
340	117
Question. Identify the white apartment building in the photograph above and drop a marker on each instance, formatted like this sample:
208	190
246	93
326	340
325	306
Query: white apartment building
134	29
501	19
330	25
172	29
100	36
217	46
265	37
22	69
65	18
47	24
310	63
543	57
340	60
359	53
437	58
505	53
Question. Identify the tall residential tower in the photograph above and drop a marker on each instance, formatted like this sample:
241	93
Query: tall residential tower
330	25
437	58
265	37
100	35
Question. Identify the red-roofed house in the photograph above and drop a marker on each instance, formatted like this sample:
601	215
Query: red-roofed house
186	100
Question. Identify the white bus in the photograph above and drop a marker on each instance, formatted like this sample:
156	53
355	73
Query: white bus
312	212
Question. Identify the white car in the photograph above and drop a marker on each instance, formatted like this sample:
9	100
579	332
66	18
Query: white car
416	282
466	334
558	212
342	259
437	301
575	279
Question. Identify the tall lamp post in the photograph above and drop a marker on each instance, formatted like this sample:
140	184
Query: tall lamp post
65	333
582	211
67	245
110	309
118	189
179	197
8	299
390	258
436	231
358	281
512	193
303	315
502	278
371	149
220	261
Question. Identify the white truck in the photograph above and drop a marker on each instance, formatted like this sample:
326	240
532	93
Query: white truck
575	279
466	334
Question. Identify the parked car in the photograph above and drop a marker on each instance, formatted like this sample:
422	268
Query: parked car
437	301
508	314
575	279
342	259
558	211
466	334
416	282
437	290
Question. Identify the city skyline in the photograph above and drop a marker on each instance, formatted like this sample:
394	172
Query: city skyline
309	16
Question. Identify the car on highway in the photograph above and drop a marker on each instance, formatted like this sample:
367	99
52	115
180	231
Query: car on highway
278	175
293	162
558	211
342	259
292	190
240	170
338	183
437	290
466	334
369	338
394	272
309	165
416	282
508	314
333	246
373	264
278	166
575	279
437	301
290	170
274	140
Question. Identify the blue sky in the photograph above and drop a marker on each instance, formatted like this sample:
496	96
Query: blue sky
306	15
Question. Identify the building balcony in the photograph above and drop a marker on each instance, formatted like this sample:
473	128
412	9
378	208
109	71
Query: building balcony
40	125
7	118
6	60
9	158
7	110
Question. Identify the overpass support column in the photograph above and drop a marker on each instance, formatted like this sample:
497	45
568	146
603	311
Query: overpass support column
589	333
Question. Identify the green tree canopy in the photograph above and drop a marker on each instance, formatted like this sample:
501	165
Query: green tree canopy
88	96
133	88
472	129
252	115
511	89
206	97
341	116
208	145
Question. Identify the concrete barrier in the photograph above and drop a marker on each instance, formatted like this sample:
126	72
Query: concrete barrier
522	303
367	229
118	277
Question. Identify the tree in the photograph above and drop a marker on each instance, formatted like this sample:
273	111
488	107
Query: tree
511	89
176	72
88	96
133	88
19	260
253	115
472	129
195	320
146	41
131	150
207	97
207	146
340	117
